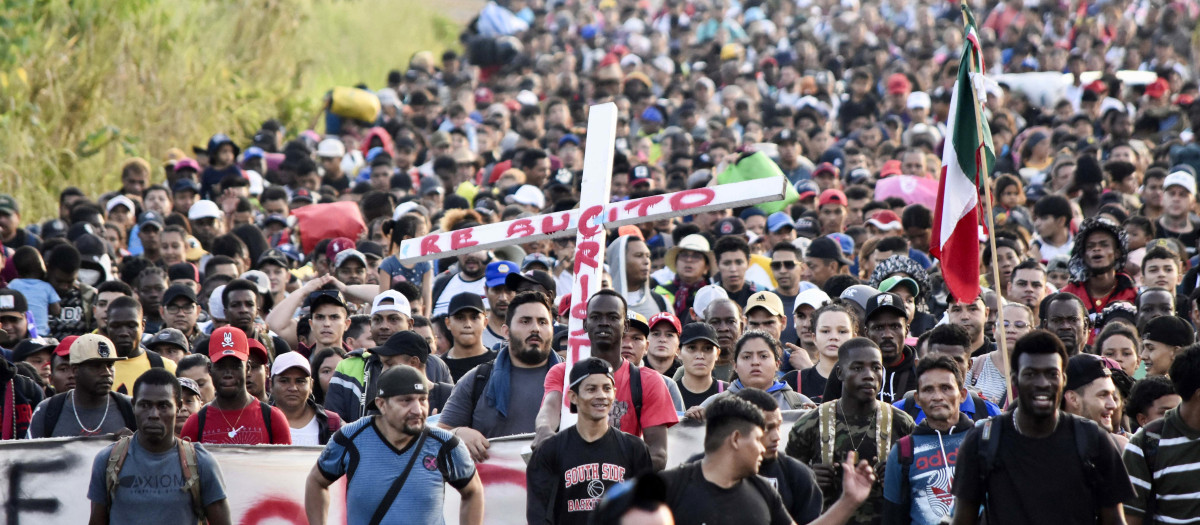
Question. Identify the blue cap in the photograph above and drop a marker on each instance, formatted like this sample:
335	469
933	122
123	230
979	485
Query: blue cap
185	184
652	114
779	220
587	31
751	212
806	187
537	258
253	152
498	271
569	137
845	241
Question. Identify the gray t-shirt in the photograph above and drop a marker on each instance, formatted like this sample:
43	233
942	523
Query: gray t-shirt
526	387
68	426
151	486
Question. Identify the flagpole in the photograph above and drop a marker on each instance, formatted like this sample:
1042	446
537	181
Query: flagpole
984	177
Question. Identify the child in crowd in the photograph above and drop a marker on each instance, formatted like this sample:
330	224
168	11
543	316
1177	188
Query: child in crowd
43	300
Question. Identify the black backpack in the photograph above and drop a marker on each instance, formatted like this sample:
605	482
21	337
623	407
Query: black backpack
57	403
1087	444
266	415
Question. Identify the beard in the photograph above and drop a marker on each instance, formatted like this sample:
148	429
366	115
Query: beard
529	355
412	430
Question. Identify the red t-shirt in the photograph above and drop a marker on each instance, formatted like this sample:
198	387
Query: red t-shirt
238	427
657	407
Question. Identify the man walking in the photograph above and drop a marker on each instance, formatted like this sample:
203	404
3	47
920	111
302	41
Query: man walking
91	408
378	454
571	471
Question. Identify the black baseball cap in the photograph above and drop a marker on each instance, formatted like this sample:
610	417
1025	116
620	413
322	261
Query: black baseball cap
171	336
176	291
646	491
28	347
404	342
275	257
183	270
885	301
465	301
1082	369
698	332
401	381
321	297
586	367
1169	330
12	301
538	277
826	248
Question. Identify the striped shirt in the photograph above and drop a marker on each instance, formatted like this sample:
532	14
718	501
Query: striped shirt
1167	483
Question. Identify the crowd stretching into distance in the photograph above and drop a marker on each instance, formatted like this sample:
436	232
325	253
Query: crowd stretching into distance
249	291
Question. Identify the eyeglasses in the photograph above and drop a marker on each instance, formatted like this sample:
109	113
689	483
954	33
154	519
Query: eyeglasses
1018	324
780	265
177	308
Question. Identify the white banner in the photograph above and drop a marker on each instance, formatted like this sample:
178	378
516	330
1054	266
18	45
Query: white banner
46	481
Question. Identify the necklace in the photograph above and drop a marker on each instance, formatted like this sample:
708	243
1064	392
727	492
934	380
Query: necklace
1018	425
850	433
75	410
232	433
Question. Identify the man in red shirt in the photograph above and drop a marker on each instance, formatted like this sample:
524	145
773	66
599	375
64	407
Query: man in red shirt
234	417
1097	257
648	417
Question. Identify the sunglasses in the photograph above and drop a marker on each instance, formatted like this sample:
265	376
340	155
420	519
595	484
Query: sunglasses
781	265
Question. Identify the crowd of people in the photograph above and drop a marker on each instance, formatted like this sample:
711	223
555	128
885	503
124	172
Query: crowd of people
189	306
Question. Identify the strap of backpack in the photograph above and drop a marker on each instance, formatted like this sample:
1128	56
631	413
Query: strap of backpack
53	412
482	375
266	415
156	361
126	410
635	389
981	410
910	405
906	460
386	503
116	460
826	432
200	417
885	432
1085	439
191	474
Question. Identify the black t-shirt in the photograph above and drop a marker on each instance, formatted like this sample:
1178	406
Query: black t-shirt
691	399
670	370
1036	481
341	184
695	501
1188	238
796	486
458	367
568	476
812	384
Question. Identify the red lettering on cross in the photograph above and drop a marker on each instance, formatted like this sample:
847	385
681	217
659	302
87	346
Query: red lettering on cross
462	239
520	228
548	225
692	198
642	205
585	221
429	244
575	346
586	253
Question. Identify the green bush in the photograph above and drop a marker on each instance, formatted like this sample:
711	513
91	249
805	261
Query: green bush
85	84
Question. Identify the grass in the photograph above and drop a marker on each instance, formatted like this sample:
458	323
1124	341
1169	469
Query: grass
85	84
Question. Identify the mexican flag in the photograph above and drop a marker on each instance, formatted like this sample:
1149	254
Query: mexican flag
966	158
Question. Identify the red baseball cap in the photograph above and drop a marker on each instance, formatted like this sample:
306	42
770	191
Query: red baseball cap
228	341
832	196
631	230
1158	88
1097	86
898	83
336	246
826	167
666	317
256	348
564	305
64	348
891	167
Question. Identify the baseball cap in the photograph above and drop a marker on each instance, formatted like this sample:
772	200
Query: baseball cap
12	301
919	100
807	188
1180	178
498	271
228	341
885	301
401	380
370	249
767	301
728	226
846	242
693	332
666	317
638	322
331	148
586	367
814	297
290	360
257	349
204	209
707	294
331	296
189	384
536	277
336	246
347	255
646	491
183	270
171	336
29	347
898	83
778	221
832	196
1082	369
64	347
465	301
528	195
536	258
302	194
150	218
807	228
405	342
395	302
826	248
187	164
92	347
785	136
119	200
826	167
176	291
8	204
886	220
569	137
899	280
1169	330
859	293
273	256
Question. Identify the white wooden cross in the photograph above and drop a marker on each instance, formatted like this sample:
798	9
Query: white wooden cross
589	223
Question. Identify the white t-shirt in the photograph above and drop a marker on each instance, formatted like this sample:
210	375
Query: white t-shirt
310	434
456	286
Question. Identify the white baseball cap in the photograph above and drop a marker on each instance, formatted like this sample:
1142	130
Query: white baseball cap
1181	178
399	303
288	360
120	200
706	295
919	99
205	209
813	297
215	306
529	195
331	148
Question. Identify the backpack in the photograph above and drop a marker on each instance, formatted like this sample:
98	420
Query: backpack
266	415
55	407
484	373
187	463
911	408
156	361
1087	445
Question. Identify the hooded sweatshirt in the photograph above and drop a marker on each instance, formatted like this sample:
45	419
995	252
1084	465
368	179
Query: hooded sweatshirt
787	398
924	496
643	300
16	410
